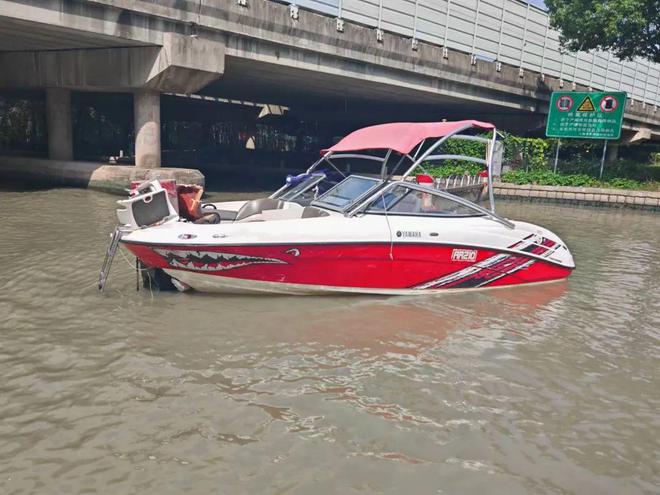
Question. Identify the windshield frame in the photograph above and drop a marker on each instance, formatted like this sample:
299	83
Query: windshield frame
367	210
319	203
306	184
365	203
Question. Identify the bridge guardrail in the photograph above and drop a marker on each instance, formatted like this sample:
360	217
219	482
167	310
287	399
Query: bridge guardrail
502	31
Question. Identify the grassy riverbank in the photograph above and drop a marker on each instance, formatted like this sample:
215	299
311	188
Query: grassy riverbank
582	169
531	161
549	178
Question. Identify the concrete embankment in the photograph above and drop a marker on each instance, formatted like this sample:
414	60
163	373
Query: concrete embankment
588	196
102	177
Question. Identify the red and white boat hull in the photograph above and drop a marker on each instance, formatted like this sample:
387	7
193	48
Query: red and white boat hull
379	268
364	234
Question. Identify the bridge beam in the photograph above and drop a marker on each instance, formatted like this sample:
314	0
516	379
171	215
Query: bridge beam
182	64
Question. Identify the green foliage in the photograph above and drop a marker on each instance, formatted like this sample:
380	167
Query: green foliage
467	148
22	124
463	168
627	169
528	153
629	28
447	168
458	167
621	183
547	178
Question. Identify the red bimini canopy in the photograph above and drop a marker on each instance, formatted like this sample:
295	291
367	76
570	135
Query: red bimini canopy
401	136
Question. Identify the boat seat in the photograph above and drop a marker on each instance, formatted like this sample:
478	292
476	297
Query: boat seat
256	206
227	215
313	212
210	217
222	215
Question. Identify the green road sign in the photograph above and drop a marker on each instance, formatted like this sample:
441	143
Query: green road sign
586	115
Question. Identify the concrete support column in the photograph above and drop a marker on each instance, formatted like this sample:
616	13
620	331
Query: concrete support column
60	127
146	110
612	152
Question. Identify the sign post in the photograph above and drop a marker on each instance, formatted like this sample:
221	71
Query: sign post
586	115
602	160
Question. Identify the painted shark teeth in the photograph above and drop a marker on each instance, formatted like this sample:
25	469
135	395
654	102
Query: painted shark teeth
212	261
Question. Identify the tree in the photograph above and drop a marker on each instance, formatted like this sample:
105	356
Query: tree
629	28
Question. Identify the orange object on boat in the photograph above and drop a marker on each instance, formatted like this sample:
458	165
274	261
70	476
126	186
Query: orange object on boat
190	201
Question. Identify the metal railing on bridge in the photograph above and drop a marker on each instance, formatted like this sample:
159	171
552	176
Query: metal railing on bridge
513	32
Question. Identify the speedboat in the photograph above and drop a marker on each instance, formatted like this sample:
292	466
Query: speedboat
390	231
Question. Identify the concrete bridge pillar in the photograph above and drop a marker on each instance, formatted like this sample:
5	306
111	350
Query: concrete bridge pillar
146	110
60	126
612	152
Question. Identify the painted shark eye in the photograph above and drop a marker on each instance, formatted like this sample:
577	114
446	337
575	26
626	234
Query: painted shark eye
187	236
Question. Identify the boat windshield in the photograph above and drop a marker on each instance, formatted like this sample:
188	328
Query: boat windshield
307	187
347	192
403	200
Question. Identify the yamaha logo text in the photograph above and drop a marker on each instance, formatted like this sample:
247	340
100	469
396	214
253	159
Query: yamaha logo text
408	233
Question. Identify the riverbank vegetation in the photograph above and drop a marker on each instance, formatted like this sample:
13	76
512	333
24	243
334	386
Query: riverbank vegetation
549	178
531	161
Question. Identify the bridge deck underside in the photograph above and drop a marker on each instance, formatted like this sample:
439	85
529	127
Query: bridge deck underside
327	96
20	35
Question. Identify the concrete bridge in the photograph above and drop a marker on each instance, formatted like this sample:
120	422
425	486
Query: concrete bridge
319	60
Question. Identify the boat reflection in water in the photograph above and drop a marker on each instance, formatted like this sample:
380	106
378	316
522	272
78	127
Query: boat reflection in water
369	326
410	325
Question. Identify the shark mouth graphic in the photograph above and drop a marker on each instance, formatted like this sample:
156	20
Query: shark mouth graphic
212	261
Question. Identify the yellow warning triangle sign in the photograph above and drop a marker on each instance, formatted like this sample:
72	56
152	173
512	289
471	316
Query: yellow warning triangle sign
587	105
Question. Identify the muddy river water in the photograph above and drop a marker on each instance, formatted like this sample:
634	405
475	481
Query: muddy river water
545	390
